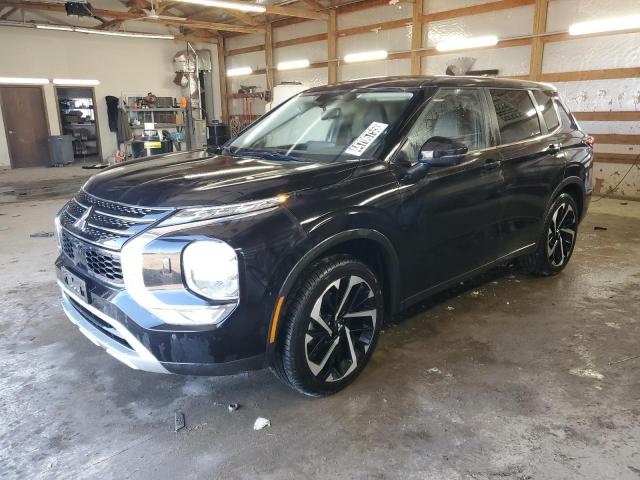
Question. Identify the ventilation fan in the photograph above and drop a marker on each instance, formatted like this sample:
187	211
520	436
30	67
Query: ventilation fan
153	15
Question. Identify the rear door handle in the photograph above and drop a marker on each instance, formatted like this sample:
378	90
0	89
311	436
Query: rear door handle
491	164
554	148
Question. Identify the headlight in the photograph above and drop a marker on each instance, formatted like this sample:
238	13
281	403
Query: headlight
189	215
210	268
58	231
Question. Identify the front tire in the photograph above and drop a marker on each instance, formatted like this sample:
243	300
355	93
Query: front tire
556	245
333	324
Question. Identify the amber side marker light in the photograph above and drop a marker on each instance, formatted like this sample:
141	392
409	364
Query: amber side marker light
274	322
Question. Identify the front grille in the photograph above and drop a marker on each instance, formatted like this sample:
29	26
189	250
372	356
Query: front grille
102	264
94	231
100	324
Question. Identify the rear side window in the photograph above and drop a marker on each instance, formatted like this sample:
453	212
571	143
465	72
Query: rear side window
545	105
517	117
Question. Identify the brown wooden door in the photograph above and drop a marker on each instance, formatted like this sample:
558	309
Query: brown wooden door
26	125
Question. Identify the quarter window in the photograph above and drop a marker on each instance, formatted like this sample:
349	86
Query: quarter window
517	116
546	107
453	113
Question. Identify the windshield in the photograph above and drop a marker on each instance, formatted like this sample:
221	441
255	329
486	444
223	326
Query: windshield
324	127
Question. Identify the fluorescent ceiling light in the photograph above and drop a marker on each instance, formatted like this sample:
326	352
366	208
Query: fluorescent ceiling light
235	72
23	81
55	27
123	34
605	25
293	64
365	56
465	43
74	82
243	7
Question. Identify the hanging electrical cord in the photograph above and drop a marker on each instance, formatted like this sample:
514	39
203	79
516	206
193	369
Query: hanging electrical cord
613	190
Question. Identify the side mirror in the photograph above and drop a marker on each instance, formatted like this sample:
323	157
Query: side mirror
442	152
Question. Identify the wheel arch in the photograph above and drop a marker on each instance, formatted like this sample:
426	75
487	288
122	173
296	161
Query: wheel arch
362	243
574	186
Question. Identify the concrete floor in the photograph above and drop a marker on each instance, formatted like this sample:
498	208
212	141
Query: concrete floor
505	377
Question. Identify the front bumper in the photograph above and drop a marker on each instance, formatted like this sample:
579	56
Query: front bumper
153	350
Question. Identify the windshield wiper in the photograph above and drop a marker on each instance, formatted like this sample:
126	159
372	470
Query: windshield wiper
267	155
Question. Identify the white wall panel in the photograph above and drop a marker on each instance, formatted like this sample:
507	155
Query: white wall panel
563	13
298	30
242	41
614	51
313	77
385	13
396	40
314	52
504	23
622	128
432	6
608	175
374	69
509	61
601	95
255	60
613	148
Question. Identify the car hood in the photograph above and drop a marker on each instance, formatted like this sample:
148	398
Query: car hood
196	178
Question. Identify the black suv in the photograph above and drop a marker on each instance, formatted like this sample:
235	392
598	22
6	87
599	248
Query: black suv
291	246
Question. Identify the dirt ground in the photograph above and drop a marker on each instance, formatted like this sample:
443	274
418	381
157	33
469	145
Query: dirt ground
506	376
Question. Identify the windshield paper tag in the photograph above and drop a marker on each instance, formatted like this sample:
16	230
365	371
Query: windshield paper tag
366	138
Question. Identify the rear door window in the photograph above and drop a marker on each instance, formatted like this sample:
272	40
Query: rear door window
517	116
546	107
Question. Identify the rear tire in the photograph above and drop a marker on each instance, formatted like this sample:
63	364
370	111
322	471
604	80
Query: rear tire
332	326
558	238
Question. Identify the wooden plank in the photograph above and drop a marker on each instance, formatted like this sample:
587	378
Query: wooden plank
617	139
623	158
315	5
222	72
416	37
608	116
591	75
268	57
240	51
537	45
6	14
301	40
332	48
476	10
295	12
374	27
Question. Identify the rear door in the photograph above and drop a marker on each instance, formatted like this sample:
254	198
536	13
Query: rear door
450	218
532	163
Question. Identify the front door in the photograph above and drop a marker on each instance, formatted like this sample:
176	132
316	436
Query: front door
25	123
451	216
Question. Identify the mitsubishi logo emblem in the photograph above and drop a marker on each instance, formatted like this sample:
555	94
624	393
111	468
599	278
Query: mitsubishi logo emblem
81	223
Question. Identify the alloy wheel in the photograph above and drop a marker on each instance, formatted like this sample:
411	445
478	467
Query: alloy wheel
561	234
341	328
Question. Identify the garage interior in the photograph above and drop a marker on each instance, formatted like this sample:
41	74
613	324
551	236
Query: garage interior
504	376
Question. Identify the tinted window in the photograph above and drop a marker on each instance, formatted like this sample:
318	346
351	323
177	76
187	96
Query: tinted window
452	113
546	107
567	119
517	118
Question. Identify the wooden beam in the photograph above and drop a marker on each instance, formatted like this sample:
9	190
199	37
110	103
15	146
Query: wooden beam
222	71
608	116
196	39
332	48
476	10
375	27
295	12
301	40
240	51
268	56
6	14
617	139
591	75
127	15
624	158
315	5
537	44
516	42
416	38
